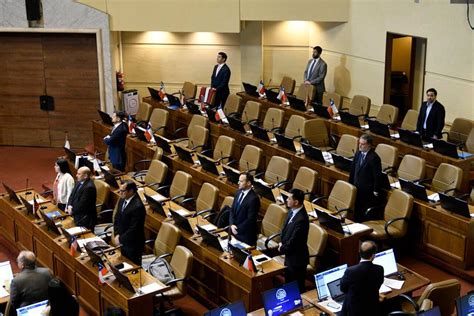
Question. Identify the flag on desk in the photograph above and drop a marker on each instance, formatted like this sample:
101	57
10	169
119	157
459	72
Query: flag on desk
35	205
74	246
162	92
102	273
249	264
282	96
66	143
261	88
182	98
307	101
332	109
131	125
149	134
220	115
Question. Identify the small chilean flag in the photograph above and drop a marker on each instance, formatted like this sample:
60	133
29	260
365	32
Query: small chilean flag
149	134
162	92
249	264
102	273
131	125
74	246
261	88
282	96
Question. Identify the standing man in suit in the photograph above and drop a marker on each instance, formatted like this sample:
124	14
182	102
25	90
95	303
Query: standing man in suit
366	175
294	237
220	79
244	210
81	204
116	141
361	284
30	285
315	73
129	222
430	122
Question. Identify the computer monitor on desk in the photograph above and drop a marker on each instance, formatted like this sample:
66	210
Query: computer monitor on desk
281	300
379	128
33	309
455	205
11	194
386	259
349	119
342	162
464	305
323	278
250	89
409	137
232	309
417	190
272	97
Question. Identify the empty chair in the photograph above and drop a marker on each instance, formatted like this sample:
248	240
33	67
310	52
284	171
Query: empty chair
250	159
198	136
272	224
220	219
388	155
180	187
397	214
341	198
103	191
223	149
315	133
195	120
273	119
347	146
206	200
143	165
294	127
158	120
306	180
233	105
459	130
155	176
410	120
143	113
388	114
317	238
189	90
251	112
412	168
360	105
447	178
305	92
288	84
327	96
278	171
166	240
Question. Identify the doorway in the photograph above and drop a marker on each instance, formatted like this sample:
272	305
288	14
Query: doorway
405	58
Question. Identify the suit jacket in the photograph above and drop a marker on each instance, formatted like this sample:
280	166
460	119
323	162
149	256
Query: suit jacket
221	84
116	143
435	122
65	187
83	201
361	284
245	217
28	287
317	75
129	224
367	177
294	237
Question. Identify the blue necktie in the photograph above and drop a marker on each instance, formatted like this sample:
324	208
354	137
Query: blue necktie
239	201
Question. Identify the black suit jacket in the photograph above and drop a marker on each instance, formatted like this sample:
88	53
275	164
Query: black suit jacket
129	223
435	122
245	218
361	284
116	143
368	175
221	84
294	237
28	287
83	201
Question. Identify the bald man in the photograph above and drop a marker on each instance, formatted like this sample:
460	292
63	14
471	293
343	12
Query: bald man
81	204
361	284
30	285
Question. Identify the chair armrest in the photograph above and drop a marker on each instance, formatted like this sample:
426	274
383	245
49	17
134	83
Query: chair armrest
410	300
174	281
167	254
99	205
223	158
390	222
389	170
278	130
348	210
297	137
320	198
177	131
251	121
188	200
280	183
258	175
204	212
163	188
206	151
144	161
315	256
271	238
157	129
106	232
211	214
449	190
104	212
343	109
177	197
362	115
196	147
149	241
274	89
421	181
231	162
373	210
234	114
465	196
177	140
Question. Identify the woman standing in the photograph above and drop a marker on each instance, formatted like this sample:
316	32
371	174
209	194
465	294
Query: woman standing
63	184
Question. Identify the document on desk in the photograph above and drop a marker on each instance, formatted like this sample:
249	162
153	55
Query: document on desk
159	197
6	273
384	289
38	200
76	230
209	227
433	197
355	228
396	185
328	157
3	292
393	284
149	288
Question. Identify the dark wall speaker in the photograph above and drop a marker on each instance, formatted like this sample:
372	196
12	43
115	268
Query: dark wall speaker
33	10
46	103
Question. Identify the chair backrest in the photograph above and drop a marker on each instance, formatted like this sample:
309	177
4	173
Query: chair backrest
305	91
189	90
228	201
295	126
181	184
207	198
156	172
273	118
347	145
251	111
460	130
233	104
198	120
410	119
447	177
443	294
388	114
198	137
250	158
399	204
143	112
342	195
224	147
278	169
316	132
327	96
273	220
159	117
317	237
167	239
288	84
182	265
360	105
103	191
306	180
158	153
412	168
388	155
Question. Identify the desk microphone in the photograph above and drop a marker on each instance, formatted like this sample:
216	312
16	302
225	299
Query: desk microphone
27	192
273	123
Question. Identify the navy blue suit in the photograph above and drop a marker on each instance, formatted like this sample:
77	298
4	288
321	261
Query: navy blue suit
244	216
116	143
82	200
435	122
221	84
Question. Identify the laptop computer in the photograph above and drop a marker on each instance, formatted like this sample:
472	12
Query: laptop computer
95	258
155	205
445	148
411	138
50	223
184	154
231	174
11	194
264	191
33	310
297	104
282	300
232	309
330	221
193	108
313	152
211	114
349	119
122	279
239	254
285	142
259	132
155	94
110	179
181	221
236	124
342	162
163	143
334	288
321	279
272	96
386	259
105	117
454	205
30	208
141	134
379	128
464	306
321	111
208	164
174	102
417	190
210	239
250	89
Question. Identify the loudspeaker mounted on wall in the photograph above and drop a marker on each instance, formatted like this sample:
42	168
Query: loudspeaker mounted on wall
46	103
33	10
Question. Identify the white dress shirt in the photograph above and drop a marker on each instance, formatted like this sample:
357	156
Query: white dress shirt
428	110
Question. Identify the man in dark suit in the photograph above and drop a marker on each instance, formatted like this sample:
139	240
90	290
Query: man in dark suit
129	222
30	285
430	122
361	284
244	210
82	202
220	79
315	73
116	141
366	175
294	237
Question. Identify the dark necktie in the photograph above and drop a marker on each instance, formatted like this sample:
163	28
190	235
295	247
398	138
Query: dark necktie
124	205
239	201
361	160
311	68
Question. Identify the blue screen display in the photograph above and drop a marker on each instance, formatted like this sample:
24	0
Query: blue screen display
465	305
234	309
282	299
